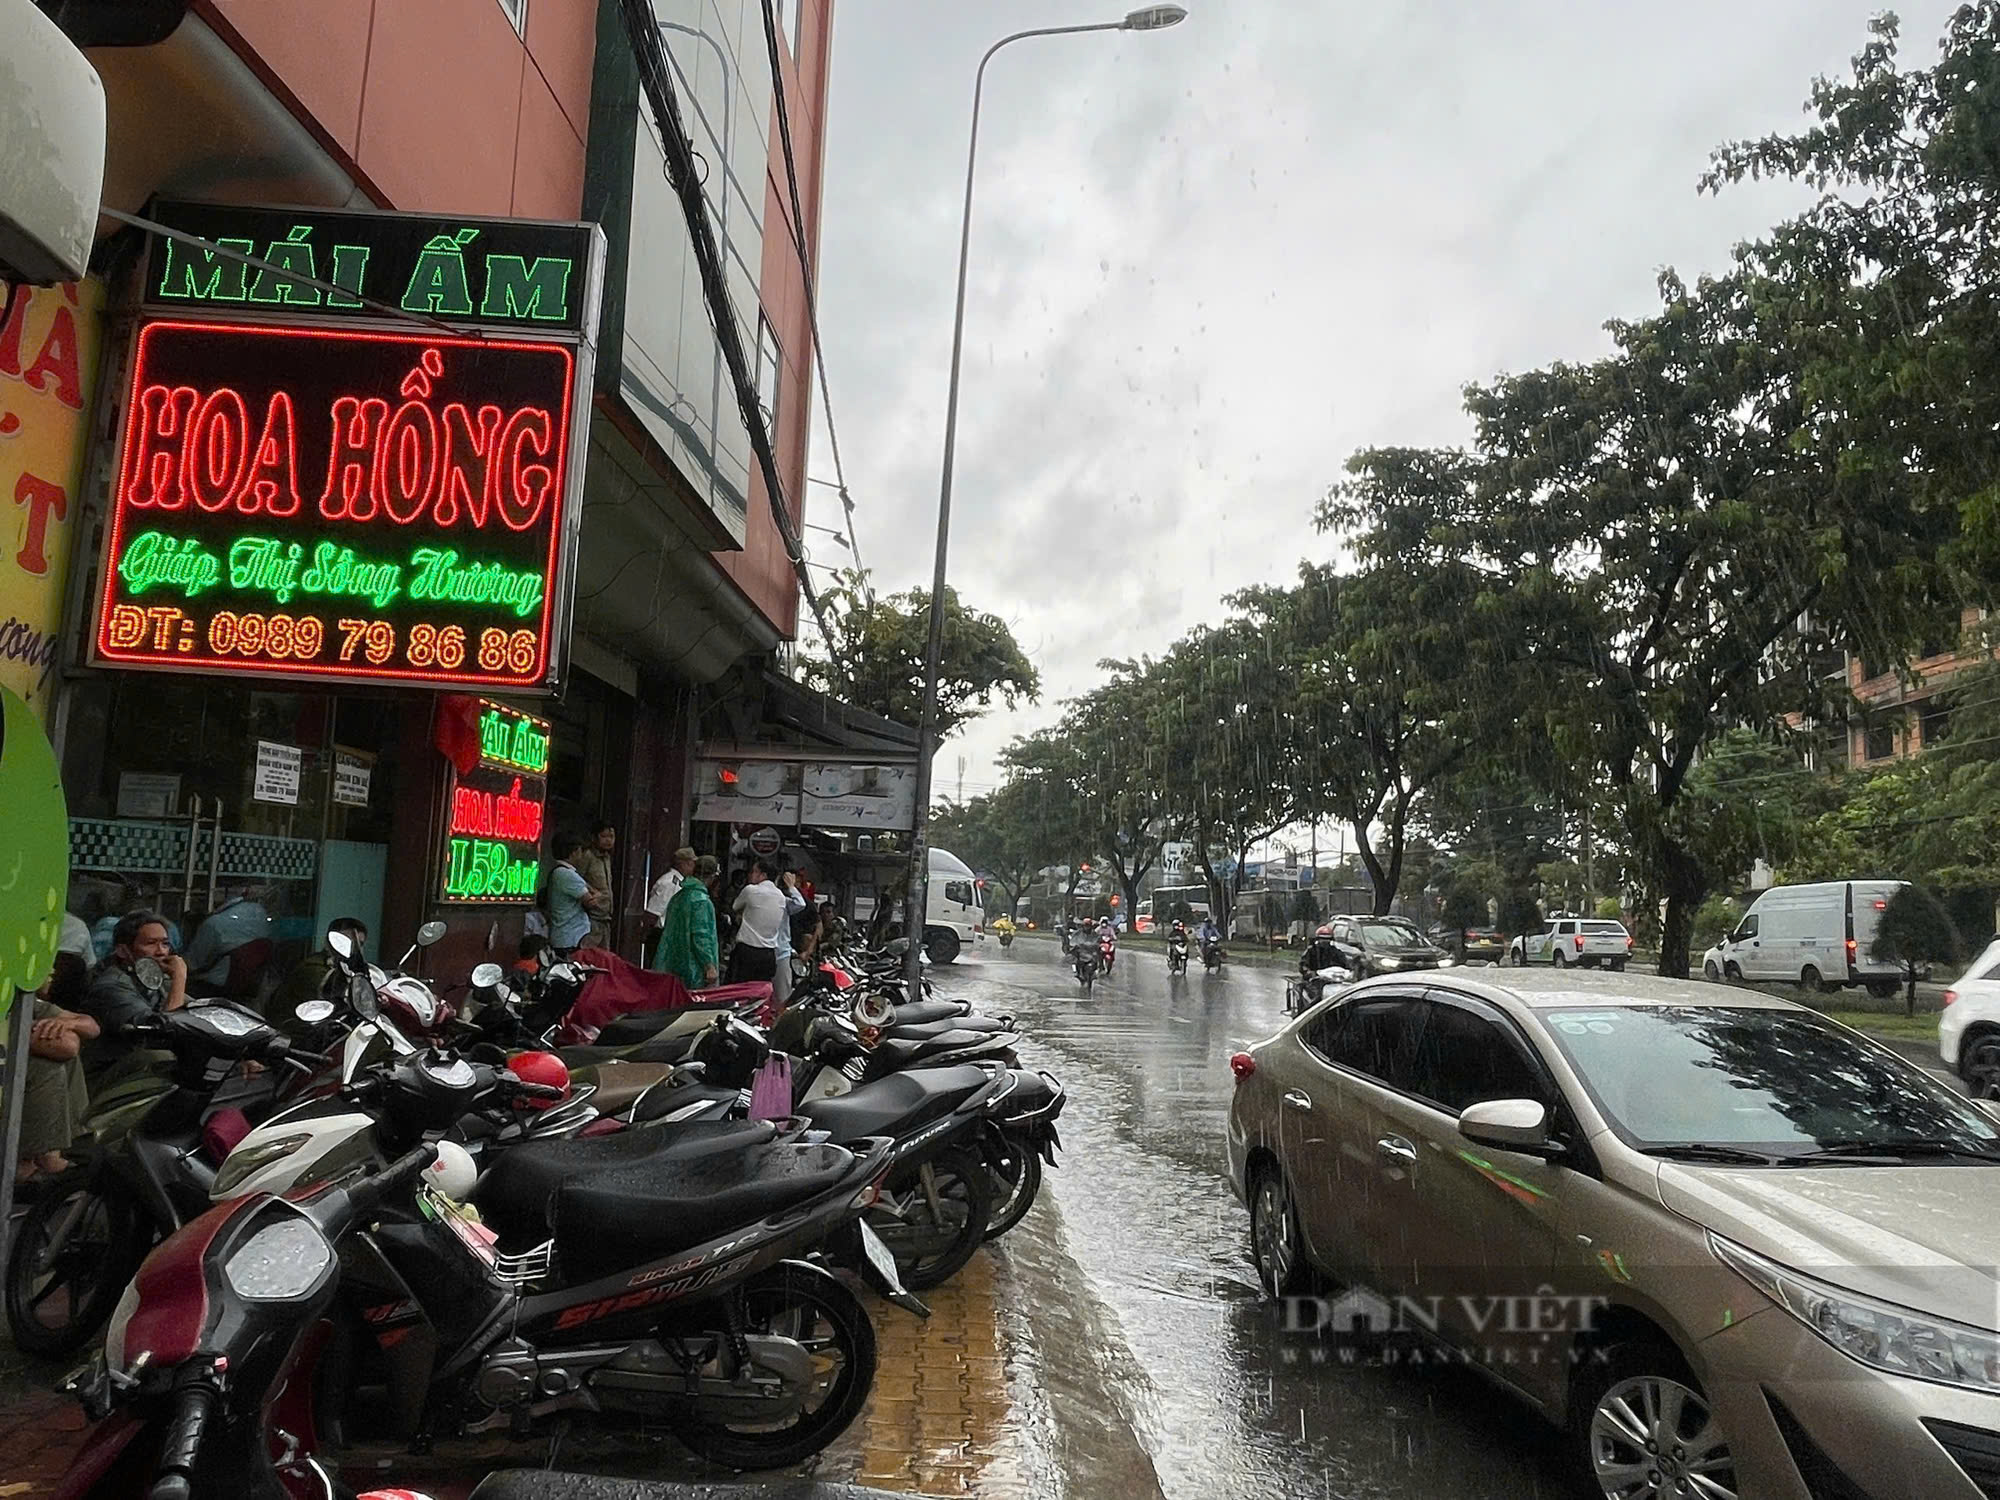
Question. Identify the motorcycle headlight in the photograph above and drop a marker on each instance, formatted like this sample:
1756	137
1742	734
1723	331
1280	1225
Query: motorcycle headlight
246	1161
283	1259
1881	1335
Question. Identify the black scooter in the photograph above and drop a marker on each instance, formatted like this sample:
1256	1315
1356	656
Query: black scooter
1084	960
1177	953
80	1244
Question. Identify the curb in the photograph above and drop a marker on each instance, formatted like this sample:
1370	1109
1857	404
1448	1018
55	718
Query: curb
541	1484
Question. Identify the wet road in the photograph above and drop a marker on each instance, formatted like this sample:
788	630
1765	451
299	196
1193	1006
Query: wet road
1220	1399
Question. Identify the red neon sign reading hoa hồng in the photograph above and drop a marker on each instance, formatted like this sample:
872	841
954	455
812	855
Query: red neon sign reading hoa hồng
420	478
507	815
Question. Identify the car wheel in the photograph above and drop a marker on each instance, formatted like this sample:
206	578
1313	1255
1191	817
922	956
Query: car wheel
1810	978
1275	1248
1883	989
1519	956
1979	1060
943	947
1618	966
1711	973
1733	973
1644	1427
1558	960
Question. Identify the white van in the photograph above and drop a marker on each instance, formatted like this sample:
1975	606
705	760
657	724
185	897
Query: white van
954	916
1816	935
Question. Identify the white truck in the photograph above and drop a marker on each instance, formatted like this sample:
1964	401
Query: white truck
1582	942
954	913
1815	935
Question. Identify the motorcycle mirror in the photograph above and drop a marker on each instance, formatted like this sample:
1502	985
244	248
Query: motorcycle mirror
429	933
340	944
486	976
898	946
150	972
312	1012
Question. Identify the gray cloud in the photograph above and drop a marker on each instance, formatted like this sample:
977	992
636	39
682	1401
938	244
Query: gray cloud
1209	264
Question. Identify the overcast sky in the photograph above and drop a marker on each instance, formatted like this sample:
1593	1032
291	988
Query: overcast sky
1209	263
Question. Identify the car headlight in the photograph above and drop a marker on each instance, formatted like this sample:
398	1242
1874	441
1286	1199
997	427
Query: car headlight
246	1161
1880	1335
1388	963
1447	961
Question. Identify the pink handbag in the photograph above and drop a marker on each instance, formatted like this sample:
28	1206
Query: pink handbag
771	1093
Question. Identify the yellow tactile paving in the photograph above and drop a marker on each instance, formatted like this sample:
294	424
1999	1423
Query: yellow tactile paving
940	1421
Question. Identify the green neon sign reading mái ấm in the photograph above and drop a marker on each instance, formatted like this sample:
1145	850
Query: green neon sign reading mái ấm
265	565
513	740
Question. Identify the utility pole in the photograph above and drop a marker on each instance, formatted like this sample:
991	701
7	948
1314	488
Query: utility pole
961	781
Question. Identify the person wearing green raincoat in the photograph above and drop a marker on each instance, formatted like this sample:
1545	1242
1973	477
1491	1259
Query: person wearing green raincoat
688	946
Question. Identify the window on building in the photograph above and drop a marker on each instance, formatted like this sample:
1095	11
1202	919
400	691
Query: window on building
1881	741
770	361
1934	721
517	13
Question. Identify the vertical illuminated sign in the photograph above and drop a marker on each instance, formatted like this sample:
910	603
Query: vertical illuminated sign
493	831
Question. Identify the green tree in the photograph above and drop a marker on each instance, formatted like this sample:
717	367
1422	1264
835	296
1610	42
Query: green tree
1649	530
1124	813
1916	931
876	660
1006	834
1376	665
1224	731
1895	266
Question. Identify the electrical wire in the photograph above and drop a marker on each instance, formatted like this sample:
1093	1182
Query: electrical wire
655	78
796	222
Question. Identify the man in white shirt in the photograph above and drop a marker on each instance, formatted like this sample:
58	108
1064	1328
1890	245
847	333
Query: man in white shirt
661	896
760	912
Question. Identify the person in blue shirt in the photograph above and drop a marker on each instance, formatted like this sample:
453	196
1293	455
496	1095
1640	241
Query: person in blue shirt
239	920
572	903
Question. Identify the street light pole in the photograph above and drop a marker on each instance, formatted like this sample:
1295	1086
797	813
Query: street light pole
1147	18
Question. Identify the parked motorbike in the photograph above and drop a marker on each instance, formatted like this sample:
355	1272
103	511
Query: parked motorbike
189	1395
653	1271
82	1241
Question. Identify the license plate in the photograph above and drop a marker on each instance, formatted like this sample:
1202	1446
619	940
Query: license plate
878	1256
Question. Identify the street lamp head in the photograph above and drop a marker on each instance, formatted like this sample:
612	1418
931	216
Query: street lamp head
1155	17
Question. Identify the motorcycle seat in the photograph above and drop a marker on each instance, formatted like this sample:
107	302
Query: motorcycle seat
659	1049
922	1012
926	1030
675	1199
516	1195
898	1104
896	1052
619	1084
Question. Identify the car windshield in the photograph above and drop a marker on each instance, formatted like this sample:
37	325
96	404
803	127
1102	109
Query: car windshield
1779	1082
1390	935
1612	927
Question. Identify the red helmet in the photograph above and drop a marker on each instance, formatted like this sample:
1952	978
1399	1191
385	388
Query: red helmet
544	1068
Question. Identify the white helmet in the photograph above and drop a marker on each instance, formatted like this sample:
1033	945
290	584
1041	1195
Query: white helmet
454	1173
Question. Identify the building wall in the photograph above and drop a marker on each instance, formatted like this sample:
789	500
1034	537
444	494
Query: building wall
1898	707
761	569
435	104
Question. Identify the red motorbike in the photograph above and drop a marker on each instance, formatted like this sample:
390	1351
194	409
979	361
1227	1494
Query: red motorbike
1107	951
193	1390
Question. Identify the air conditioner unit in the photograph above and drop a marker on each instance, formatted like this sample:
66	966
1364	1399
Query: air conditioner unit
51	149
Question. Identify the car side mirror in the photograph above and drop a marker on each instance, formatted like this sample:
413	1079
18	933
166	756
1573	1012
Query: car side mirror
1510	1124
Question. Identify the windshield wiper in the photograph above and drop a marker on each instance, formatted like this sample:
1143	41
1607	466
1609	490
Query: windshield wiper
1873	1150
1705	1151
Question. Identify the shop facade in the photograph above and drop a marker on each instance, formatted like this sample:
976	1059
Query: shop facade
238	708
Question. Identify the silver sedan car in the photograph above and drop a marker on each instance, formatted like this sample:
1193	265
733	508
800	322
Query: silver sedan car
1731	1247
